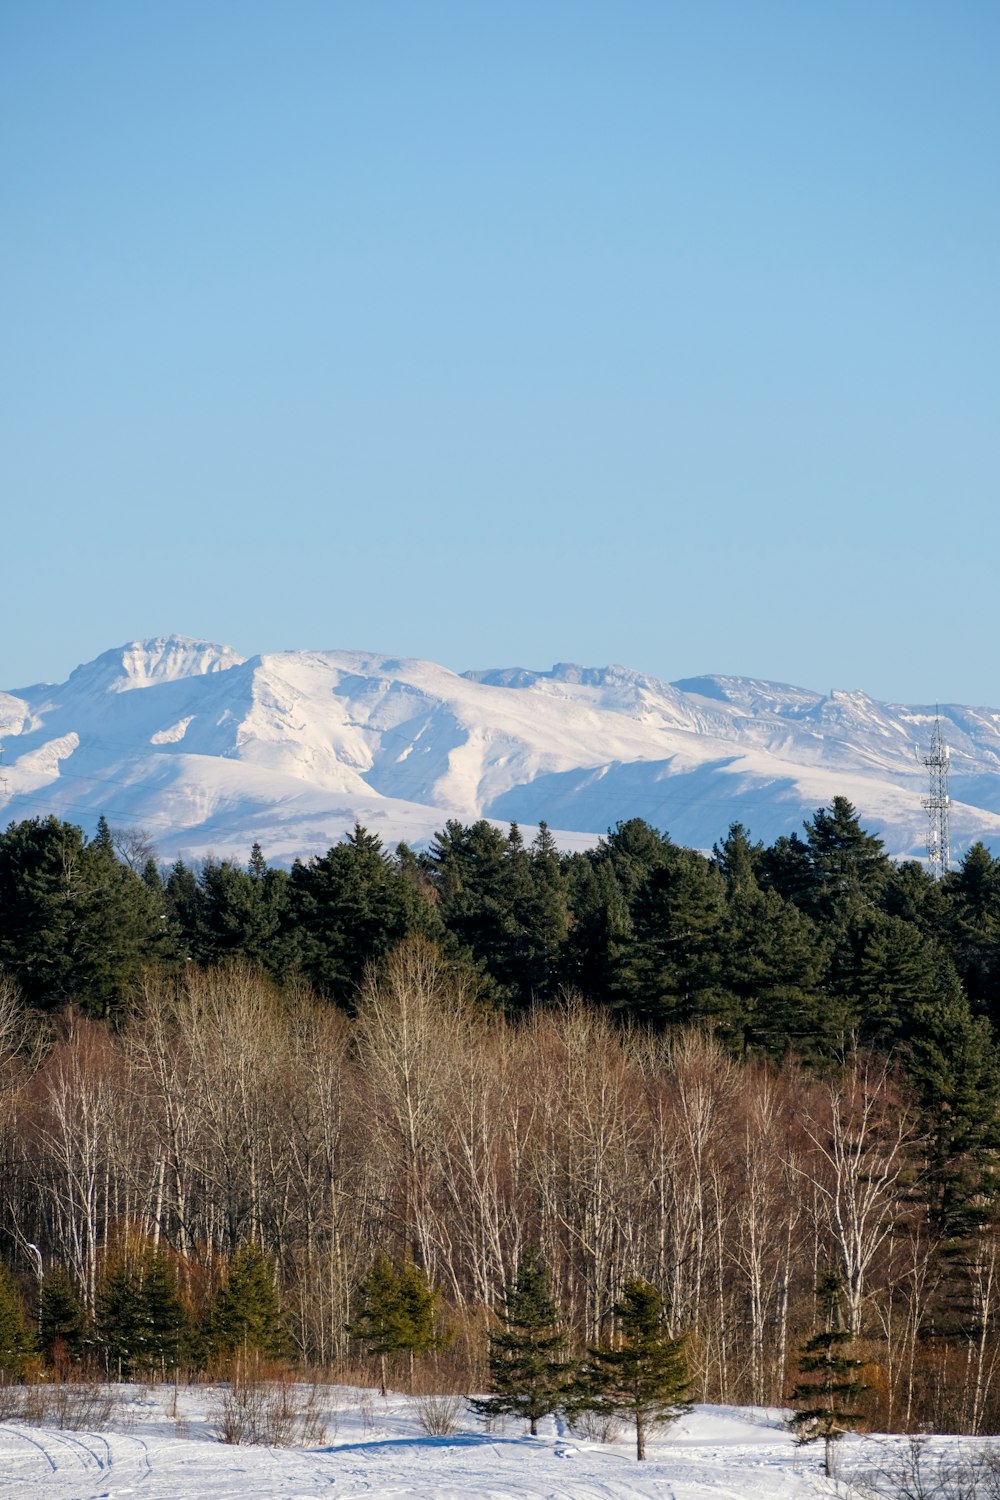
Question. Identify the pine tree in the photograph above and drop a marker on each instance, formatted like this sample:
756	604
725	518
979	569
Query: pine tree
61	1318
16	1340
829	1384
396	1313
141	1320
644	1376
529	1374
247	1314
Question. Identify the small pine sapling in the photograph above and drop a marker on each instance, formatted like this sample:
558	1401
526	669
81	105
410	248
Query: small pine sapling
396	1313
643	1376
829	1383
530	1376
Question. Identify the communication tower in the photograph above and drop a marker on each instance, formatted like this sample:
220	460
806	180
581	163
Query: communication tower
937	803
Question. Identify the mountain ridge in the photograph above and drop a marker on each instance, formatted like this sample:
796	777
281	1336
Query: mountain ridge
211	751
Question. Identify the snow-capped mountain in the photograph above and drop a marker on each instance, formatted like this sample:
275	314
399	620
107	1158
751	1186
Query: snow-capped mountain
209	752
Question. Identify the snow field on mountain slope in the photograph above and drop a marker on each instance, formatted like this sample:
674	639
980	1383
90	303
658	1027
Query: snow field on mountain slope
208	751
375	1448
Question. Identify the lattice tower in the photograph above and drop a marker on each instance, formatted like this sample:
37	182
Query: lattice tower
937	803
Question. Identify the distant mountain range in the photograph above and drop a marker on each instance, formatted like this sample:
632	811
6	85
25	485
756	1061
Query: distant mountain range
209	752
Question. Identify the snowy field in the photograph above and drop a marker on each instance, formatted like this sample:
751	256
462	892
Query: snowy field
375	1448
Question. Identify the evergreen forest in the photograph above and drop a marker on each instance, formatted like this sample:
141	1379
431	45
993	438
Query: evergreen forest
236	1102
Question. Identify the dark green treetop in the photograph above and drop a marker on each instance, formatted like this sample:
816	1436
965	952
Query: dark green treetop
16	1340
247	1315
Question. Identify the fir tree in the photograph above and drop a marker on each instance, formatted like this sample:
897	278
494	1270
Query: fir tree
62	1321
849	867
16	1340
772	963
829	1383
672	971
395	1314
601	930
644	1376
347	910
247	1314
972	894
529	1373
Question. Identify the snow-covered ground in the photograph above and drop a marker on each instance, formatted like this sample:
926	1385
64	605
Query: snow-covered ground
377	1448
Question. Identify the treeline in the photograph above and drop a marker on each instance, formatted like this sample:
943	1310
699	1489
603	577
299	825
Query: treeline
804	944
224	1114
727	1076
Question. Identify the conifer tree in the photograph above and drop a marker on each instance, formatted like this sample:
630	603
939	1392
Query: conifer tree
347	910
395	1314
772	963
419	1302
849	866
644	1376
165	1321
529	1373
673	969
600	932
61	1318
247	1314
16	1340
141	1320
829	1383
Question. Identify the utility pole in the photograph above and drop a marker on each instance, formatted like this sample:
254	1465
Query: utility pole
937	803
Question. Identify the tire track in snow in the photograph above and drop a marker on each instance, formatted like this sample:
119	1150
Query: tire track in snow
16	1432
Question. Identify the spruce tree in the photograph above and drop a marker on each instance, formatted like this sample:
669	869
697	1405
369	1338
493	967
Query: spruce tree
247	1315
16	1340
118	1321
644	1375
419	1306
141	1320
829	1383
395	1314
165	1321
529	1373
62	1322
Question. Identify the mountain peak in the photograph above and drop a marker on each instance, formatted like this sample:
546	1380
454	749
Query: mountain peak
141	664
294	747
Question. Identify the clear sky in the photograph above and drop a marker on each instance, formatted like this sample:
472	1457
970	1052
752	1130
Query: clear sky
505	333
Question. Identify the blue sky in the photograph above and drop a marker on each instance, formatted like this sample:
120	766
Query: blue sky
660	333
